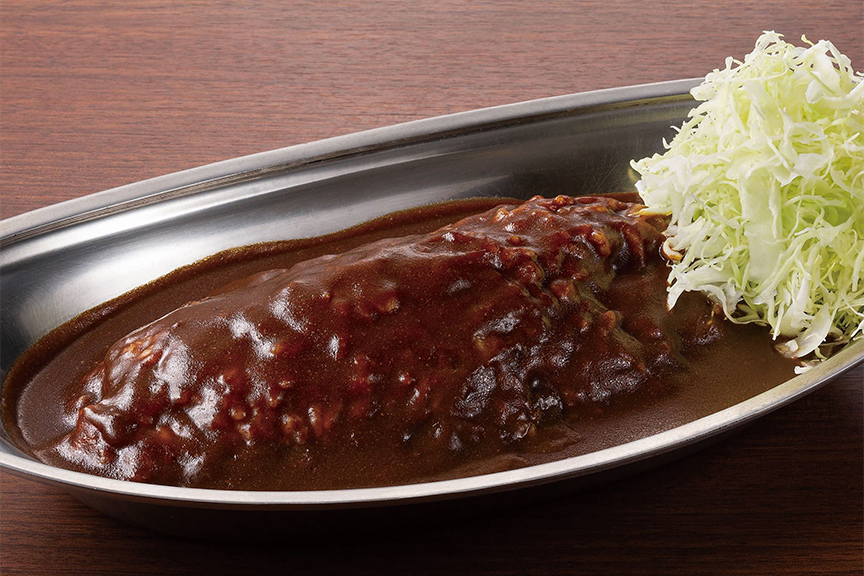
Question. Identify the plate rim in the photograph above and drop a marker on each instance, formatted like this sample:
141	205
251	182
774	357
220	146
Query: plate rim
234	170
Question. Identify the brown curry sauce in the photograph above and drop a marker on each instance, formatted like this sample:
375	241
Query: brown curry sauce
394	352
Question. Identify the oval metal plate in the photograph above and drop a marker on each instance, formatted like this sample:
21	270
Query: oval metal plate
61	260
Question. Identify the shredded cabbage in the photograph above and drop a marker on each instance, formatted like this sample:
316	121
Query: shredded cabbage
764	184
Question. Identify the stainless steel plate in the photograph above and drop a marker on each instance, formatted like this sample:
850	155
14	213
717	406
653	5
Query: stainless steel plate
59	261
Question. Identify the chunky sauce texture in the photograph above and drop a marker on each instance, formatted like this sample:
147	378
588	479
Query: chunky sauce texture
498	341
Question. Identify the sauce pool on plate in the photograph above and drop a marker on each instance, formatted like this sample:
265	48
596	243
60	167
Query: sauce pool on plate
445	341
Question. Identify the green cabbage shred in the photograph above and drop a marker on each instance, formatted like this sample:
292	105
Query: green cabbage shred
764	185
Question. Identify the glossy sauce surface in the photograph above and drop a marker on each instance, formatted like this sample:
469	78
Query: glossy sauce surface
514	337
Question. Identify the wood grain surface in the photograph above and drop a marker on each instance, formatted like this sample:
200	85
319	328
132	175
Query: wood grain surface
97	94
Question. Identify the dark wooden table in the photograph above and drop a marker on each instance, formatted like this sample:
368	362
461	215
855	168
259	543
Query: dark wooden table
97	94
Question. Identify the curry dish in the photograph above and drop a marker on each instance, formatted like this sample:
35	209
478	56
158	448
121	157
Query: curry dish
408	349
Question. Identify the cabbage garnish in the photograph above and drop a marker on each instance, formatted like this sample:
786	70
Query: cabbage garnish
764	185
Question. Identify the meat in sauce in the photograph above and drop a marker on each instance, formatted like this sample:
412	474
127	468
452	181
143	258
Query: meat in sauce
473	339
